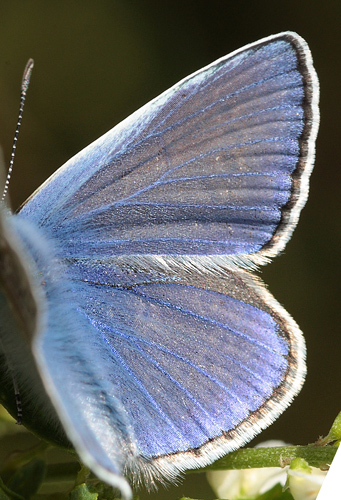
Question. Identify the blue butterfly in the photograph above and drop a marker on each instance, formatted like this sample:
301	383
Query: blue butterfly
131	322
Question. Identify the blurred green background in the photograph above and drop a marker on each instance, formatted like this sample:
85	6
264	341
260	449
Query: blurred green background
98	61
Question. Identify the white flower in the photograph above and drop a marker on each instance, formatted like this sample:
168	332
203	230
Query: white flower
247	483
304	481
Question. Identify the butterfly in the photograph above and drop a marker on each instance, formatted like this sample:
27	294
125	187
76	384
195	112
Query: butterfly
131	320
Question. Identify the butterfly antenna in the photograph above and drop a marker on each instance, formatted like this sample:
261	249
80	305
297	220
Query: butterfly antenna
24	86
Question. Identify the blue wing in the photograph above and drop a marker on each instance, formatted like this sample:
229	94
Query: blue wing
176	359
217	165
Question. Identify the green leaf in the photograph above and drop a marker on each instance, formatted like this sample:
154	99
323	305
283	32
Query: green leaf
335	431
7	494
187	498
3	495
276	493
82	492
27	480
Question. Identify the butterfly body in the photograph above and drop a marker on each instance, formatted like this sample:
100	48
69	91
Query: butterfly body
151	339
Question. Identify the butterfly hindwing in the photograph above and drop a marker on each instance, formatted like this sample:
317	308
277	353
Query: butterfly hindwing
164	364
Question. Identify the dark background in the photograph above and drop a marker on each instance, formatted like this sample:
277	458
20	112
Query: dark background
98	61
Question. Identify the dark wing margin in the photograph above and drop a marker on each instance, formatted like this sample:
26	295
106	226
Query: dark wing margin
306	157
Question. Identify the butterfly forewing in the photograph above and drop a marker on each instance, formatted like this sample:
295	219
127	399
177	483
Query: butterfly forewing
211	167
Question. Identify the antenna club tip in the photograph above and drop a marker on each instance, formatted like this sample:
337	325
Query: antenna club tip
27	75
30	64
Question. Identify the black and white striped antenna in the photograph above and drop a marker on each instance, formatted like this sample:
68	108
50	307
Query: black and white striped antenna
24	86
